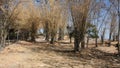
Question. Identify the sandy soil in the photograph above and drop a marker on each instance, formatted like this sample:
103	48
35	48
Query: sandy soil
43	55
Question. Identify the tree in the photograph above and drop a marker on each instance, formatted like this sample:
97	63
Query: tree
112	26
79	12
116	5
54	18
99	19
70	32
91	32
8	13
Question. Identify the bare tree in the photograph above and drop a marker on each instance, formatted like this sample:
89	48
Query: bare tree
79	12
116	4
54	18
112	25
8	13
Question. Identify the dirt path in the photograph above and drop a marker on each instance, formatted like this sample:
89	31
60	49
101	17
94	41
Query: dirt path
36	56
42	55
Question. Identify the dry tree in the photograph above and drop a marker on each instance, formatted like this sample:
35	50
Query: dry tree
29	20
79	11
8	16
112	25
53	18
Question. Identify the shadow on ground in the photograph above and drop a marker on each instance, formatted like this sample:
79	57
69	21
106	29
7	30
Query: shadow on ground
92	55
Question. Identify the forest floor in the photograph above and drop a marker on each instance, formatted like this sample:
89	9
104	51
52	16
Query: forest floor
60	55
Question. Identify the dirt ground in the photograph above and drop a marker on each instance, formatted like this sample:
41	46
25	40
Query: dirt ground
43	55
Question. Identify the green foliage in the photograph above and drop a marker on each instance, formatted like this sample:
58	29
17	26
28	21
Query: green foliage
92	31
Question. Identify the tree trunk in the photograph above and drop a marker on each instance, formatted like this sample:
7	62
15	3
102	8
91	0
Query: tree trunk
102	39
96	42
118	31
52	40
76	40
46	30
70	36
61	34
3	37
33	32
32	38
87	42
47	36
109	44
83	43
17	36
76	44
103	35
114	38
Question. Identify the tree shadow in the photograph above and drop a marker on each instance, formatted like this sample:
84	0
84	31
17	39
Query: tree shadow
41	42
64	42
84	54
64	51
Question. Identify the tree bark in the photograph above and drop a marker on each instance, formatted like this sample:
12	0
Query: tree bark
76	40
46	31
61	34
76	44
109	44
33	38
52	40
70	36
47	36
96	42
119	32
53	36
103	35
33	32
102	39
3	37
87	42
114	38
83	43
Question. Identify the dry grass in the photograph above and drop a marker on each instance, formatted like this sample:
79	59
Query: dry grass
42	55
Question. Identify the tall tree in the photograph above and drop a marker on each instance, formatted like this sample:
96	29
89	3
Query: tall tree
79	11
116	4
8	13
